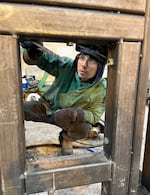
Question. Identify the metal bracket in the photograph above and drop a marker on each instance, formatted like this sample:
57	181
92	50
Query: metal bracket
110	62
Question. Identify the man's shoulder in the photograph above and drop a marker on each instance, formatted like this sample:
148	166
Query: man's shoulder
66	60
102	82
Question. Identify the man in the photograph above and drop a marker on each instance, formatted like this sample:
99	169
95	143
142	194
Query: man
75	101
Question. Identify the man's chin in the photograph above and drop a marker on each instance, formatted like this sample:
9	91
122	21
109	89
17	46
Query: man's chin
83	79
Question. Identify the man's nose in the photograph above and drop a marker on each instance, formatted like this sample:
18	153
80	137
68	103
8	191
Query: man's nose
85	62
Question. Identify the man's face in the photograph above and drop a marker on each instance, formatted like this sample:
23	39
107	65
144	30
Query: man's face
86	67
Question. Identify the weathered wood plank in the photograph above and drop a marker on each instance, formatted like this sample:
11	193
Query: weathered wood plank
63	22
11	123
47	180
66	161
121	5
76	169
120	107
140	105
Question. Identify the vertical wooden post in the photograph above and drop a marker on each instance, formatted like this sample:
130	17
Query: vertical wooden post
11	123
140	105
120	108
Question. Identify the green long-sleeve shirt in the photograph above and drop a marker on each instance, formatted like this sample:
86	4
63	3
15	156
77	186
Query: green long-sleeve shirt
68	90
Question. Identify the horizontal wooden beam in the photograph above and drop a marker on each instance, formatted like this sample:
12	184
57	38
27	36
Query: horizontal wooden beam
118	5
65	161
73	172
34	20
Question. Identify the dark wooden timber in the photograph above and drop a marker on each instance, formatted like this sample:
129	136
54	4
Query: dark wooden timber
66	22
118	21
120	107
66	161
77	170
134	6
140	104
67	177
11	124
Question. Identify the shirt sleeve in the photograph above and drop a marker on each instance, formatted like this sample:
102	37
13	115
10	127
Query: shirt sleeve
52	63
94	111
93	115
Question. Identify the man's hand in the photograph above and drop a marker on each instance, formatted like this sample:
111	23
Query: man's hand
33	49
65	117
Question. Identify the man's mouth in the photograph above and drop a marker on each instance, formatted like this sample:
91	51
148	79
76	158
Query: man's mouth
82	71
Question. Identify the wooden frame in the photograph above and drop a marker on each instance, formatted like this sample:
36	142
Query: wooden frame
12	156
120	105
144	69
125	96
49	174
106	25
116	5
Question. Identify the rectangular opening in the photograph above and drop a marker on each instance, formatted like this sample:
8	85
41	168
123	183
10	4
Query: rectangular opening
45	164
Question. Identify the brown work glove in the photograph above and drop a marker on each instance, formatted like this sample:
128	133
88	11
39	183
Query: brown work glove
33	48
65	117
